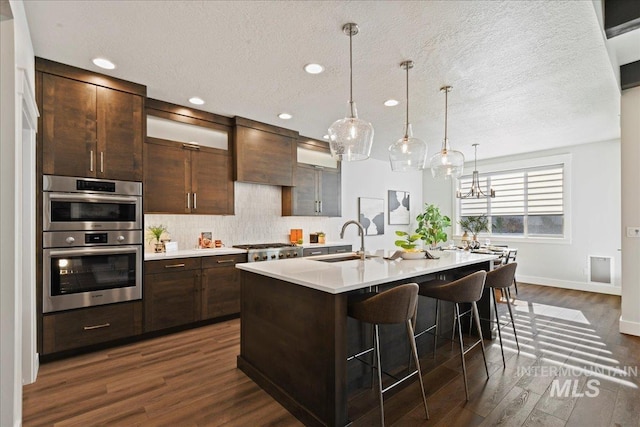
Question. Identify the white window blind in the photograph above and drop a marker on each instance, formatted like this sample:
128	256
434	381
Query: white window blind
528	201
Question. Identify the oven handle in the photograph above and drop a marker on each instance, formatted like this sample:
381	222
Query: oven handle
92	198
93	251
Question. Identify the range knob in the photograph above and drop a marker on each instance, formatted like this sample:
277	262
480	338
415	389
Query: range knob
120	238
295	254
281	255
264	257
273	256
256	258
288	254
69	240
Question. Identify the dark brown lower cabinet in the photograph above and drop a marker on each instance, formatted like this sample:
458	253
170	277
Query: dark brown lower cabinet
87	326
171	293
221	285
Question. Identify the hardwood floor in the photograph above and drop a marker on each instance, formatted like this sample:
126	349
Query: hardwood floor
190	378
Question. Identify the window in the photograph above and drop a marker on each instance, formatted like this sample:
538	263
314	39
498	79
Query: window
529	202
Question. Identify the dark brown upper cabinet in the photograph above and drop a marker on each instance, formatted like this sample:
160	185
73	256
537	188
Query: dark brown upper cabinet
92	125
264	154
317	189
188	165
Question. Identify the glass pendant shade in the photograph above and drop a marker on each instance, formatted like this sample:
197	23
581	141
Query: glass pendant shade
408	153
447	163
350	139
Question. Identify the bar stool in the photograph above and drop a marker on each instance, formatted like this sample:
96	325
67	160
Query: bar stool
465	290
511	258
396	305
502	278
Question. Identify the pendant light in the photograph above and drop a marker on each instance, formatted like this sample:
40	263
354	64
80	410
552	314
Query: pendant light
408	153
476	191
350	138
446	163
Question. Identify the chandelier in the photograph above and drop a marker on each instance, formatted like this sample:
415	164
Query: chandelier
476	191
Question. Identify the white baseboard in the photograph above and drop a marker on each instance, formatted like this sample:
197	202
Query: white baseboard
567	284
630	328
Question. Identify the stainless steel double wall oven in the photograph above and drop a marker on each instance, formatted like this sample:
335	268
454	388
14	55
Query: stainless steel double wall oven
92	242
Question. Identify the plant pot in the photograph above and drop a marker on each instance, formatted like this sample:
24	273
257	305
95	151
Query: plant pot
412	255
321	239
159	247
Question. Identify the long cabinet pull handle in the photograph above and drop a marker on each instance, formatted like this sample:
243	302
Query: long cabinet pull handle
174	266
90	328
91	160
225	261
102	161
320	204
188	200
195	200
316	253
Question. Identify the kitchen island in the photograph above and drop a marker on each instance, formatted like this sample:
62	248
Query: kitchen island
295	333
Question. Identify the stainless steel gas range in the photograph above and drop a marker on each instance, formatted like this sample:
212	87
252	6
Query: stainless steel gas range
271	251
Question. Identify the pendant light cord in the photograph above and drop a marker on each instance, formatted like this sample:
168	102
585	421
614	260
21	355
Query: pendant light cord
446	108
351	70
406	124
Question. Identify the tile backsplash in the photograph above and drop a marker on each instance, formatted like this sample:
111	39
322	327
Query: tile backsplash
257	219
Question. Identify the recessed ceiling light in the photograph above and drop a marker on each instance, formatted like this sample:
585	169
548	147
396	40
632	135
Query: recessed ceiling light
326	136
195	100
104	63
313	68
391	103
285	116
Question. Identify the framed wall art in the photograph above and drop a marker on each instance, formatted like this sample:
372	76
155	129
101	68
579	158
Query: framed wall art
399	207
371	215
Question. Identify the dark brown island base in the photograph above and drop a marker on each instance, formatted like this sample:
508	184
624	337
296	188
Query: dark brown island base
296	336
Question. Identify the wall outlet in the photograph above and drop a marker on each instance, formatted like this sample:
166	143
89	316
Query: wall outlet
633	232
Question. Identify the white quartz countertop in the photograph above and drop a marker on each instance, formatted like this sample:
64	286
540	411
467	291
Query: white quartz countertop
190	253
344	276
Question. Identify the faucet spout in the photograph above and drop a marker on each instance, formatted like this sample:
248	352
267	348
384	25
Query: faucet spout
344	226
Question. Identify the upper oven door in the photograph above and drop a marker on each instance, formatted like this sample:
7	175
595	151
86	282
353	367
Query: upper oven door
89	211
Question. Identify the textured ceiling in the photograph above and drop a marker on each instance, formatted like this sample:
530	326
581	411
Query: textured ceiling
526	75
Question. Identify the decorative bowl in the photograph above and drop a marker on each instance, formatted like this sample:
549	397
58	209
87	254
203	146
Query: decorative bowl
412	255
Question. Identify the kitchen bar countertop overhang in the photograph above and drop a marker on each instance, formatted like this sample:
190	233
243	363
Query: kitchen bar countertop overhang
350	275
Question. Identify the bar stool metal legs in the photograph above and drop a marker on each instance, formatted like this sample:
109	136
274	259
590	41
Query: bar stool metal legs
476	318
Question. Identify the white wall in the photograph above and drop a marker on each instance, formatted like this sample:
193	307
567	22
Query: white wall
16	80
258	211
630	155
595	218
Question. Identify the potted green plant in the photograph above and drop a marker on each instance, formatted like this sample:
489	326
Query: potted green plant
474	225
431	225
321	237
155	232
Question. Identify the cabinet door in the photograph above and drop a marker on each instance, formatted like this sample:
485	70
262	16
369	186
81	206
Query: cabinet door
171	299
119	149
166	177
211	182
330	192
305	193
264	157
220	292
68	127
339	249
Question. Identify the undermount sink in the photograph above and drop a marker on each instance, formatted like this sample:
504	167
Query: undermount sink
339	258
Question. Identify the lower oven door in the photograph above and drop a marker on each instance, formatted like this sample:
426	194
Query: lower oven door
83	277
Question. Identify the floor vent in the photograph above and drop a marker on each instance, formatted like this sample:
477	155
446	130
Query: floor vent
600	269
